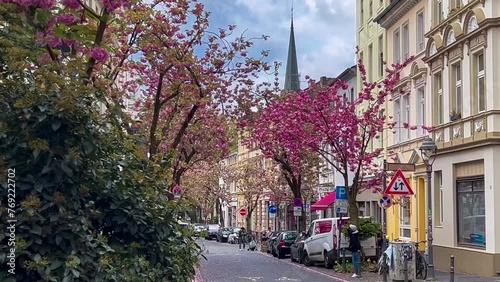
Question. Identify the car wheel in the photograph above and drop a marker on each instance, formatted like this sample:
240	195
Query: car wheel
328	264
306	260
280	254
274	253
291	256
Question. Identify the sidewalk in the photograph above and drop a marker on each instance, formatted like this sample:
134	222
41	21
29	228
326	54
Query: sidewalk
459	277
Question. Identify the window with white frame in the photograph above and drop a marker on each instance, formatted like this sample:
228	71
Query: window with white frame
406	116
405	218
479	82
370	8
421	109
420	31
361	12
406	41
457	89
370	63
352	95
439	209
456	4
438	12
397	120
381	59
438	98
396	47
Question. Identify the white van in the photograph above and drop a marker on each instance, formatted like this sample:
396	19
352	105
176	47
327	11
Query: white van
321	242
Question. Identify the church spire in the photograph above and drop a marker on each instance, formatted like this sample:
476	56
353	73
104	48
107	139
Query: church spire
292	79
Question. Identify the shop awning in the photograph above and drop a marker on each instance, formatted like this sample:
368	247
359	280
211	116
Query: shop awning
324	203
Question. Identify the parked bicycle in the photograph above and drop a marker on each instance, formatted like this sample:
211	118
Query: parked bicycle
421	263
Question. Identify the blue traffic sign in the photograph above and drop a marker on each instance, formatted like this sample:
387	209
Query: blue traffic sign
297	202
272	209
340	193
385	202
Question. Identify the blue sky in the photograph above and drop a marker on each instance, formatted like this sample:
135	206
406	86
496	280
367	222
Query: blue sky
324	31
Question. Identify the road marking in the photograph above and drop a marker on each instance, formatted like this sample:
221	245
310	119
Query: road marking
308	269
252	278
287	279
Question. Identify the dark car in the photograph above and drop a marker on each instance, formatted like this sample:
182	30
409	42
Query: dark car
212	231
297	248
281	246
271	240
223	234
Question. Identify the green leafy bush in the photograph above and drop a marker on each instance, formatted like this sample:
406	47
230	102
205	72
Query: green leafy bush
87	202
367	228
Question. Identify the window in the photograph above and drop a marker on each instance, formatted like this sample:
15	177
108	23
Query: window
420	31
438	12
456	98
405	217
479	82
406	41
456	4
323	227
370	8
406	116
438	193
438	93
471	216
361	12
397	120
370	63
352	95
421	109
381	50
472	24
397	50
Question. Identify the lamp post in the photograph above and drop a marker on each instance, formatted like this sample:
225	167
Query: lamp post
428	150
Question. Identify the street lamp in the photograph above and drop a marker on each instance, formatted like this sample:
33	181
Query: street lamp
428	151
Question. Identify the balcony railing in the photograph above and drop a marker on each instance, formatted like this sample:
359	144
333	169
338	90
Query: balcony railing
468	130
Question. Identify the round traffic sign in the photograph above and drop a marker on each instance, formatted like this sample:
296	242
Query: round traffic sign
243	212
385	202
297	202
177	191
272	209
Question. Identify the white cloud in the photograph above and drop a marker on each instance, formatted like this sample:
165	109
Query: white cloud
324	30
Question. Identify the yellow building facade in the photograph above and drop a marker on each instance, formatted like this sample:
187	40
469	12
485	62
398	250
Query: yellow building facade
405	24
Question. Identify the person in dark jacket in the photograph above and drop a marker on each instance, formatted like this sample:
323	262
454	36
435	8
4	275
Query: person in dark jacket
355	248
242	237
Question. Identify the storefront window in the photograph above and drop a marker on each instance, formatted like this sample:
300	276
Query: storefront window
471	212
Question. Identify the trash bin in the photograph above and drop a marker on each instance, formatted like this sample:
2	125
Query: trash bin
397	262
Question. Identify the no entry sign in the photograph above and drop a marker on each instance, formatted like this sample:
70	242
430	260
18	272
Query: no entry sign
243	212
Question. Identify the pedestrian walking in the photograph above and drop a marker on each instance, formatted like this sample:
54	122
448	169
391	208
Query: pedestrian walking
242	238
354	248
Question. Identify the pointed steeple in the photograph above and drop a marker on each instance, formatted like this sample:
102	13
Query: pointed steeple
292	79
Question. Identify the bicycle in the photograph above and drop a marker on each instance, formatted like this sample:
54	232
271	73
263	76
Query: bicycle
421	263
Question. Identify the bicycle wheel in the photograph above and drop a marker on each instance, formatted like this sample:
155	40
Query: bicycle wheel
421	266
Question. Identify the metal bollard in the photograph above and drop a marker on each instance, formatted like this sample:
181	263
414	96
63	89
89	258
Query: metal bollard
452	268
405	267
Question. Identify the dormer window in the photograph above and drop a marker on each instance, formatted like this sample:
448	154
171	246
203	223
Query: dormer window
472	24
451	38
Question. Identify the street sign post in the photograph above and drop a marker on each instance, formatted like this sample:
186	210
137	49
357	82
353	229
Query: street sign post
385	202
297	211
398	185
297	202
341	204
307	207
272	211
243	212
341	209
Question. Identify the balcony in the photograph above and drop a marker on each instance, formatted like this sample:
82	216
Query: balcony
480	129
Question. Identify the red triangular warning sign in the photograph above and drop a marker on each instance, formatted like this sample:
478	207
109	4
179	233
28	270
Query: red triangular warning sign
399	185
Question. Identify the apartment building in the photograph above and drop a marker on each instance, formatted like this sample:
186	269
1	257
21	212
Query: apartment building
464	69
405	24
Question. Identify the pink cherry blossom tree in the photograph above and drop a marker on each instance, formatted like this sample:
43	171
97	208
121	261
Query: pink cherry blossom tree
321	121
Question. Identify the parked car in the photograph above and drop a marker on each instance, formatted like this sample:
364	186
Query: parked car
234	236
322	239
271	240
281	246
212	230
297	248
223	234
198	229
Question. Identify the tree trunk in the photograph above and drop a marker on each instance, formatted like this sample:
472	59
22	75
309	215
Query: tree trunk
248	220
221	217
353	210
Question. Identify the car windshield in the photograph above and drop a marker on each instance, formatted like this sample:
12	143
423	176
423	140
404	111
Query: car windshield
213	227
289	236
236	230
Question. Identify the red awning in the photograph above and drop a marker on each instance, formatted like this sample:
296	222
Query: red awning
324	203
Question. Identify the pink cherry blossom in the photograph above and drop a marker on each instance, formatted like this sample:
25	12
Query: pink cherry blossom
99	54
